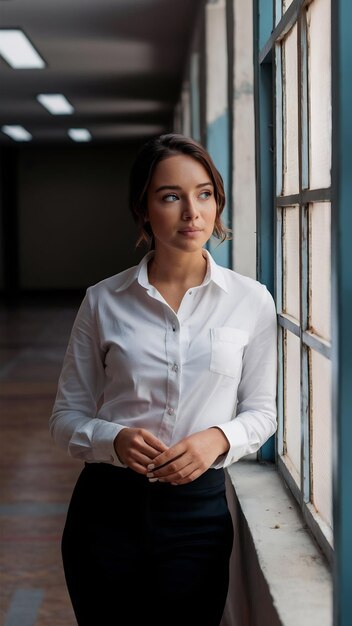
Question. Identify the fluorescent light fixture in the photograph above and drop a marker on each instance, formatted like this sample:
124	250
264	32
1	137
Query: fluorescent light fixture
18	133
55	103
18	51
79	134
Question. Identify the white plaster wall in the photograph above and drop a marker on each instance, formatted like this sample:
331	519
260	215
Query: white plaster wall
278	576
216	60
249	601
244	188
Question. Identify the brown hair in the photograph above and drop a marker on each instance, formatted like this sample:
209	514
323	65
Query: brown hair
150	154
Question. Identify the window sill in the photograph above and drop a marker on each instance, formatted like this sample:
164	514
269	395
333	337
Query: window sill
295	570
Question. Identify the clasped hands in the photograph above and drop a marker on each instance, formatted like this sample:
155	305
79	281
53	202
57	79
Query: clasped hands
182	463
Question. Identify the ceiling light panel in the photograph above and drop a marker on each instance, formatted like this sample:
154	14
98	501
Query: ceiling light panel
79	134
55	103
17	50
18	133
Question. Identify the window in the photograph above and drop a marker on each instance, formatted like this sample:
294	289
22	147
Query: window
298	52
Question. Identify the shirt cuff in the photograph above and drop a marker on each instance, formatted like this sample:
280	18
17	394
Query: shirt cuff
233	431
103	442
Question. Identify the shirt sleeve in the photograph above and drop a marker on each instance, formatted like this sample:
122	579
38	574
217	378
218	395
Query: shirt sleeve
256	411
73	423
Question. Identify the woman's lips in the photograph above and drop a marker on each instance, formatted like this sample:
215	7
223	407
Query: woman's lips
190	232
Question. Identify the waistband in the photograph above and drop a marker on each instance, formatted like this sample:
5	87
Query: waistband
210	478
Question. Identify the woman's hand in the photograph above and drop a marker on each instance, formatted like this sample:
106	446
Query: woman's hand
189	458
137	447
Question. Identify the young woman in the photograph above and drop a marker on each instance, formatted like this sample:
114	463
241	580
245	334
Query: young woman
169	377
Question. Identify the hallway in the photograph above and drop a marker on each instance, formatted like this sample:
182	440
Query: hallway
265	87
36	478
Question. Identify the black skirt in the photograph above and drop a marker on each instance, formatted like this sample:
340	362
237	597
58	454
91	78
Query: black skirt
137	553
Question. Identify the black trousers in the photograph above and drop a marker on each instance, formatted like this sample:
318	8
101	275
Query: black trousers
137	553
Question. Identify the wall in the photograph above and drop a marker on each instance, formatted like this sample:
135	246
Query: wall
1	228
244	185
74	225
217	114
249	601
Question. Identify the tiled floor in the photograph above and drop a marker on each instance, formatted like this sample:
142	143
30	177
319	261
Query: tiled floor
36	479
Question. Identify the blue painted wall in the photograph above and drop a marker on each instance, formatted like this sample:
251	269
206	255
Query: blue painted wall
218	146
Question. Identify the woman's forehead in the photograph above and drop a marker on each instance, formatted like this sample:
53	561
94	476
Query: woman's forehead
179	168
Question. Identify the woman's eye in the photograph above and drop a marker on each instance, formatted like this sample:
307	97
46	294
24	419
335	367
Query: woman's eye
170	197
205	194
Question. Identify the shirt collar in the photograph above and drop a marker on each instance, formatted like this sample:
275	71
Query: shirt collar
214	273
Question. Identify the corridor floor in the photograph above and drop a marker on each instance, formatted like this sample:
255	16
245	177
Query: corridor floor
36	478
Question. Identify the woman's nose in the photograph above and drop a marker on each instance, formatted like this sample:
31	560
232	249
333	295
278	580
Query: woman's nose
190	209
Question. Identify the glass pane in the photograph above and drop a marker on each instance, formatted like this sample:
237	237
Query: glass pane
321	436
278	11
319	79
319	269
290	105
292	404
290	262
286	4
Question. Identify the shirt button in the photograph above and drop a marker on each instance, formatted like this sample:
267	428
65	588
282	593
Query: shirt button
170	411
175	367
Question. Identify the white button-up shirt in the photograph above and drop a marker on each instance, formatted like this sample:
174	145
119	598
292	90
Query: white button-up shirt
131	361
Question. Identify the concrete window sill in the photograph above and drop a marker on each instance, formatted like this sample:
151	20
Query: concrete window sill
279	574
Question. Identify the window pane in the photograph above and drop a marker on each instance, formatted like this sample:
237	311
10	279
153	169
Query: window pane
292	410
319	269
321	435
319	78
286	4
290	104
290	251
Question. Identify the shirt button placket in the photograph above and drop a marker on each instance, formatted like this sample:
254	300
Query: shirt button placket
172	397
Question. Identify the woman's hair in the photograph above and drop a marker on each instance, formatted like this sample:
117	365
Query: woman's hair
142	171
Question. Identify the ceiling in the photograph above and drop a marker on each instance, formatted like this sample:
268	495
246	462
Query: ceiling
120	63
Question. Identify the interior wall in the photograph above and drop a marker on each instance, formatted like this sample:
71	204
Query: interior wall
249	601
1	228
244	222
217	113
74	224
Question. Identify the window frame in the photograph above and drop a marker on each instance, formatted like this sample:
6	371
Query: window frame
271	27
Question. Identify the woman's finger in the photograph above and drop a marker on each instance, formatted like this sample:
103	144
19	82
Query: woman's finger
180	476
174	468
154	442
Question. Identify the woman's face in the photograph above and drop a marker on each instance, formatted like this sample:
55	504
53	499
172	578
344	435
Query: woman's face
181	204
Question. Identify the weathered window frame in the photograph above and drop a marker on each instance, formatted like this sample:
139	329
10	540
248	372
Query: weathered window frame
272	27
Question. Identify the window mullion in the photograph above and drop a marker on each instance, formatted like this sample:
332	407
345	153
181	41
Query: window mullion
304	101
304	183
305	369
278	121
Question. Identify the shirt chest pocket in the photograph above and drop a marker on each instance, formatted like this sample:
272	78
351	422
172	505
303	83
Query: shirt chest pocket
227	346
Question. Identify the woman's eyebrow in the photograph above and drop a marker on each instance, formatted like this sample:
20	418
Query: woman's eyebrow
167	187
163	187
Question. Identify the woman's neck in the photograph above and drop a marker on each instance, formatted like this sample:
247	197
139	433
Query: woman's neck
183	269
